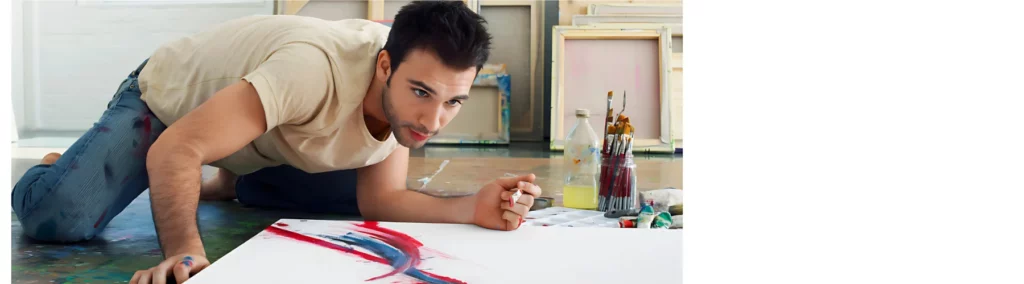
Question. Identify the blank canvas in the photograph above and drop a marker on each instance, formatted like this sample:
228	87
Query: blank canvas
477	118
466	253
510	28
594	67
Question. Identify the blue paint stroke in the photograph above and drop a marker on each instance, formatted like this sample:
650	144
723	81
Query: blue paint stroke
394	256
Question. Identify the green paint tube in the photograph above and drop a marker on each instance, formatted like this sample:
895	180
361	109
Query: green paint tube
662	221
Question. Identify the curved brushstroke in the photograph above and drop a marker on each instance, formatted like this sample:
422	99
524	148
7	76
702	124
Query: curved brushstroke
323	243
397	258
407	245
393	248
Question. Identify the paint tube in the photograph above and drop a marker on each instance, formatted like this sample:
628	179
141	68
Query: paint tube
675	209
515	198
646	216
627	222
662	199
677	222
662	221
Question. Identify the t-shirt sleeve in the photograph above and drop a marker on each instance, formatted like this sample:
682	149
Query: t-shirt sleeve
292	83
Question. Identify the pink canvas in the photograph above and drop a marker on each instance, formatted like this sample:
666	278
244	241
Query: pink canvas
594	67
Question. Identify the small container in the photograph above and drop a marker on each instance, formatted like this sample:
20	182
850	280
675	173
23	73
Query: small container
618	183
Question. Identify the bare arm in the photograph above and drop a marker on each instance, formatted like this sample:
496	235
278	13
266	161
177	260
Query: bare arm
383	196
232	118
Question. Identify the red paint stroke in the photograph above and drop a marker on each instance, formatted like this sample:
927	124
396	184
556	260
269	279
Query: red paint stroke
404	243
323	243
281	224
104	214
400	241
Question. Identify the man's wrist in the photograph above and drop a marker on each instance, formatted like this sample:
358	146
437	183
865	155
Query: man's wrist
466	207
191	250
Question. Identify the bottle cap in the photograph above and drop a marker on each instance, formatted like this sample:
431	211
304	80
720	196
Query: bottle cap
582	113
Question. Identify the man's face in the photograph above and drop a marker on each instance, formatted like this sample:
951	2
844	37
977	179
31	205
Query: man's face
423	96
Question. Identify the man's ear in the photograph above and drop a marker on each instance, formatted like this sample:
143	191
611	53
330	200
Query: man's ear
383	65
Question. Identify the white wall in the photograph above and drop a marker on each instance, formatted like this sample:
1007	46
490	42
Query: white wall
75	53
17	66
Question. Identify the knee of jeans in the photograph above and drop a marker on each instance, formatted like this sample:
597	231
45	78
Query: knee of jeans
45	220
52	225
29	190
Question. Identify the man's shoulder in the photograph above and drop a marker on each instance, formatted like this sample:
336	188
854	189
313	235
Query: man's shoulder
370	30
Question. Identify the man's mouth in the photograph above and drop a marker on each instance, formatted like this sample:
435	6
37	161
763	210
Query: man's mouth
418	136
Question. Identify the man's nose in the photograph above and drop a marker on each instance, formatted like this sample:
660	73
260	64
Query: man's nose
431	119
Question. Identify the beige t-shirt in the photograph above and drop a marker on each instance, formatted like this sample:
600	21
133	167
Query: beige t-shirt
311	76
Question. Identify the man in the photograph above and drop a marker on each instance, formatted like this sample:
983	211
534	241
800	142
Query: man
297	113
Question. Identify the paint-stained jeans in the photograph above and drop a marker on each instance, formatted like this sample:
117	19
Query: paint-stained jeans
101	173
96	178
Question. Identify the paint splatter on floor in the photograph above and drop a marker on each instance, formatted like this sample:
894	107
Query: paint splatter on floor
129	243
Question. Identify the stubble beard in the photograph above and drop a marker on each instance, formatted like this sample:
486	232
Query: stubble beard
396	124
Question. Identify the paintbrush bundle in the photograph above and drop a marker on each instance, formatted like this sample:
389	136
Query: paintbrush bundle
618	172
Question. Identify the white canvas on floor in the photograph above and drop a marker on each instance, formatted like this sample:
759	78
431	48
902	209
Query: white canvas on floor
298	251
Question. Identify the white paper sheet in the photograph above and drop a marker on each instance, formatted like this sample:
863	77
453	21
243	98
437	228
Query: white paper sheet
464	252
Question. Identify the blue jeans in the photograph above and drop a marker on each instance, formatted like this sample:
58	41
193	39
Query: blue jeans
105	169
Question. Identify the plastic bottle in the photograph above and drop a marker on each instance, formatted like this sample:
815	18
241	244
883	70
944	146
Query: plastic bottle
582	160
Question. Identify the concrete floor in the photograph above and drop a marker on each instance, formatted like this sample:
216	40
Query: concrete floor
129	243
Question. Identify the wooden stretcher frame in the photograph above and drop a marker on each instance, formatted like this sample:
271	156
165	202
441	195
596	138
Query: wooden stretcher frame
491	76
640	8
535	24
289	7
677	70
665	143
676	62
630	22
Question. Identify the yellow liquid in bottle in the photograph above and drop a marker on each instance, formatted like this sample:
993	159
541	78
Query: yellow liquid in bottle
579	197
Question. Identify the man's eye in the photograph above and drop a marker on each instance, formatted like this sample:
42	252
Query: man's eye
420	93
454	102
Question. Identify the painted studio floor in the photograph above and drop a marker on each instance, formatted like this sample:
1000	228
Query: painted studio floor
129	242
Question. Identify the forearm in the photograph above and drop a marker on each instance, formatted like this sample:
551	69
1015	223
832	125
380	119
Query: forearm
412	206
175	175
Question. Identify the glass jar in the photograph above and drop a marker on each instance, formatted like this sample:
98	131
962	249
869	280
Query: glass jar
618	183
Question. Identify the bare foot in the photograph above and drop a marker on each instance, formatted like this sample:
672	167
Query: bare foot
50	158
221	187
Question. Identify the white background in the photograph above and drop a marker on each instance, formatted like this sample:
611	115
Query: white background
840	141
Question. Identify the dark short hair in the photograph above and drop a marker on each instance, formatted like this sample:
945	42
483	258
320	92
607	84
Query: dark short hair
449	29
